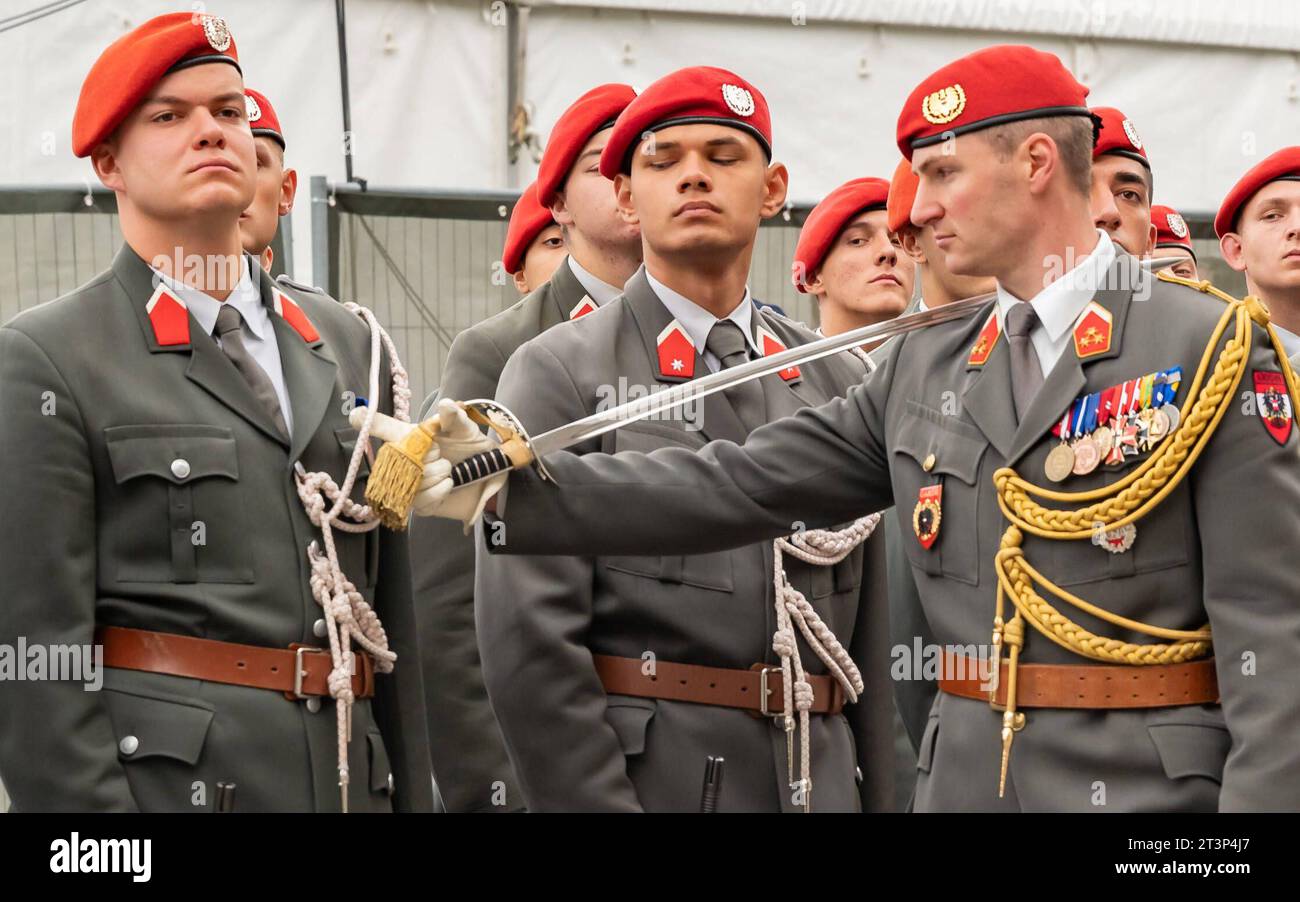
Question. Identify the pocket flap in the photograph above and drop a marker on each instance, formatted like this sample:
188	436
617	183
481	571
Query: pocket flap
629	717
162	726
957	447
926	756
177	453
1191	749
381	772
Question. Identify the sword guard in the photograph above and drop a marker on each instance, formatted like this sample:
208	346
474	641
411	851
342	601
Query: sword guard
514	452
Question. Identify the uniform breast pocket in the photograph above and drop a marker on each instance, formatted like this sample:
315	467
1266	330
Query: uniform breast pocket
930	449
702	571
178	515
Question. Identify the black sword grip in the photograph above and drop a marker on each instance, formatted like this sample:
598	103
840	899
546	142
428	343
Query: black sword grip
479	467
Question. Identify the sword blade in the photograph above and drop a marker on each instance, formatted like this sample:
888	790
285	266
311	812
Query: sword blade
667	399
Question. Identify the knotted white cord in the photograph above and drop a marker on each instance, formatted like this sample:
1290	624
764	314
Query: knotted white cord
820	547
348	616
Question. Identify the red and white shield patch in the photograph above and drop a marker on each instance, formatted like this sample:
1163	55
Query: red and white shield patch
1273	402
169	317
772	345
676	352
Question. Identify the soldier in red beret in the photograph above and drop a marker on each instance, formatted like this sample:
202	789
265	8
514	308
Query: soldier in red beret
1122	183
1090	507
598	252
569	642
1258	225
534	246
1174	239
277	184
171	490
847	258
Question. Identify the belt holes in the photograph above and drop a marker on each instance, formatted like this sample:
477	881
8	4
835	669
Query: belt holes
713	685
654	678
683	682
240	664
275	668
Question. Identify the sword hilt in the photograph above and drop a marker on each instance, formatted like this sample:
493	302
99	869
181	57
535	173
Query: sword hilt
513	452
479	467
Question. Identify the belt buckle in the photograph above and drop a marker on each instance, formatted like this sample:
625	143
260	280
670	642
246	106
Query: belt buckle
299	672
764	692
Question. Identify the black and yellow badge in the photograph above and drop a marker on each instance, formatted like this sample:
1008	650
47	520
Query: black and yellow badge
928	514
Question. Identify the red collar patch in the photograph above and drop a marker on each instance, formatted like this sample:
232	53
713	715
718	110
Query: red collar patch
772	345
294	316
988	338
169	317
1092	334
585	306
676	352
1273	402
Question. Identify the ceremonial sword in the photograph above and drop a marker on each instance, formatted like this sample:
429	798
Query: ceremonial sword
518	449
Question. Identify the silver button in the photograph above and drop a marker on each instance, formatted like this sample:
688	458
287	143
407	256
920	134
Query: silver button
128	745
180	468
391	788
313	704
319	629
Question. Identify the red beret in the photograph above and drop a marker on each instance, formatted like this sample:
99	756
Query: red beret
527	220
1118	136
902	195
590	113
1284	164
1171	229
126	72
261	117
829	218
696	94
993	86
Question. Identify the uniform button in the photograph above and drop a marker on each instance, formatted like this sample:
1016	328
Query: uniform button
391	787
180	468
128	745
928	464
313	704
318	629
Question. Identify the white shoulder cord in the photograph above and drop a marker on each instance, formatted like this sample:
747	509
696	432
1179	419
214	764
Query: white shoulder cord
348	616
821	547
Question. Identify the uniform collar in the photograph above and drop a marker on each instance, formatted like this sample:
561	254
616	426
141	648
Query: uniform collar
1060	304
246	298
1290	341
698	322
598	290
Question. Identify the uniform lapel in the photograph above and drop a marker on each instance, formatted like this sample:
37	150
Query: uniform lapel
309	373
783	398
988	394
564	295
1067	380
718	418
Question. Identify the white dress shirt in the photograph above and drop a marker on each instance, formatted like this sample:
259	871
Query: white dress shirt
698	322
257	332
1060	305
1290	341
600	291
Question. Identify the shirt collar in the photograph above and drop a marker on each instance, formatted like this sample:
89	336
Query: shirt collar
1290	341
598	290
698	322
1060	304
246	297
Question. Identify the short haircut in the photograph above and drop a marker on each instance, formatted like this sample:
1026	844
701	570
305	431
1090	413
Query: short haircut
1074	137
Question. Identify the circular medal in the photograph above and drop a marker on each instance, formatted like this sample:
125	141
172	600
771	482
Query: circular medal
1174	416
1060	463
1159	425
1105	439
1086	456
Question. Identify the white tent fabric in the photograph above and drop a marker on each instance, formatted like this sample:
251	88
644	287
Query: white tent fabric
1211	87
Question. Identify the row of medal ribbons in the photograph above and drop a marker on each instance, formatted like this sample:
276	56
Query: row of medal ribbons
1107	427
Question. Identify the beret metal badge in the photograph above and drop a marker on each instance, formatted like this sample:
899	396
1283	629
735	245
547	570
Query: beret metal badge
944	105
217	33
1176	225
254	111
738	100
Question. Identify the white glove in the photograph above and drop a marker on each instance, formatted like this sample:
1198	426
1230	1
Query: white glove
457	439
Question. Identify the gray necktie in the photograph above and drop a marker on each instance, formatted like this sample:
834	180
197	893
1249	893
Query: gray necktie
229	323
728	344
1026	371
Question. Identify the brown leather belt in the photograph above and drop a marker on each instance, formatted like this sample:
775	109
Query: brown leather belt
761	689
1088	685
298	671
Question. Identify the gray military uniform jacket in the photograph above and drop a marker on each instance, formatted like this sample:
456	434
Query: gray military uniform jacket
1220	548
96	412
469	755
541	618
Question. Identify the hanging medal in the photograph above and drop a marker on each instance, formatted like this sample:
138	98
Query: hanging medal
1060	460
1087	455
927	514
